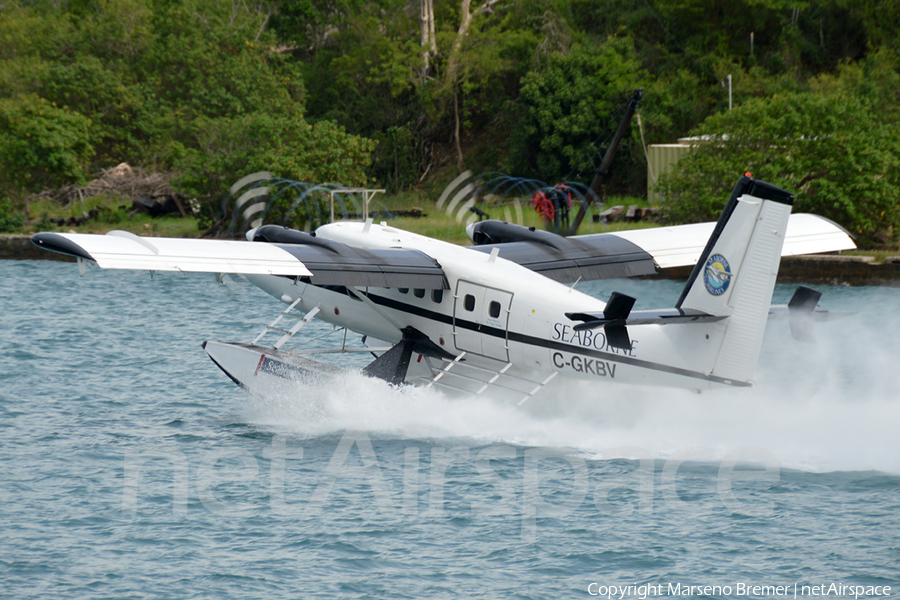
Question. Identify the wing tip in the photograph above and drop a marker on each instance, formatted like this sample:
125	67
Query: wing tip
57	242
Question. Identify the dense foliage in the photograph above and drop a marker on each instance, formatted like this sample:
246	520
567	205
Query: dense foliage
192	87
41	144
569	101
831	151
388	92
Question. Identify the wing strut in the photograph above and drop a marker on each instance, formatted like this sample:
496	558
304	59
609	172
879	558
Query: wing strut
302	320
476	380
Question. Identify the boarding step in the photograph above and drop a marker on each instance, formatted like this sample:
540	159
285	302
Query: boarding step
461	376
287	334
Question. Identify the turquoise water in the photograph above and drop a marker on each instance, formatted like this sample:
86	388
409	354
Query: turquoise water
133	468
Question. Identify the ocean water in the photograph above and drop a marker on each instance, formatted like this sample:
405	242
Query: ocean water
133	468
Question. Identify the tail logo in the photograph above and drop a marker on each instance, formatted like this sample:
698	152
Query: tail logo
717	275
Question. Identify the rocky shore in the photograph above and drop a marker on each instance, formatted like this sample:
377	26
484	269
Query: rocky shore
826	269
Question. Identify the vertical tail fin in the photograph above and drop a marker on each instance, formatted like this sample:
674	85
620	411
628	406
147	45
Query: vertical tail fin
736	273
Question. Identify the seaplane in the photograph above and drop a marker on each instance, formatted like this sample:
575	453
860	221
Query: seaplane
503	314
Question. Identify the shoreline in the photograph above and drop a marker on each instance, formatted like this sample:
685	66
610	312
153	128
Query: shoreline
824	269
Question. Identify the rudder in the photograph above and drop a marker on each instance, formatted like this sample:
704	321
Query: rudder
736	273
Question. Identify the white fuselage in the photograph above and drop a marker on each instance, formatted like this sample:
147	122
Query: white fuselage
499	312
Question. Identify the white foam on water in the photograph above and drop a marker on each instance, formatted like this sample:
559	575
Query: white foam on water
824	407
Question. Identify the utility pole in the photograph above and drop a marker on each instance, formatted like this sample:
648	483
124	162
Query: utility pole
729	91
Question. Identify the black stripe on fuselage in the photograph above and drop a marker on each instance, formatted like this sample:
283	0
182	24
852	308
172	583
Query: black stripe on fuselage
522	338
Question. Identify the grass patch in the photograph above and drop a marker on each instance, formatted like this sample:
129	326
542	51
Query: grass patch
880	256
113	212
438	224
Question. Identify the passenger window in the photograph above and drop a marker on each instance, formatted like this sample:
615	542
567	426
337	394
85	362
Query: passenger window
469	302
403	290
419	293
494	309
437	296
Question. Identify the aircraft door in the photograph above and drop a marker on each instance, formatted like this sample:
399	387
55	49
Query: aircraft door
495	323
481	319
469	298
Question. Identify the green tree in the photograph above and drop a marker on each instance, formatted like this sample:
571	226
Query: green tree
287	147
838	158
179	85
10	220
571	100
42	145
875	80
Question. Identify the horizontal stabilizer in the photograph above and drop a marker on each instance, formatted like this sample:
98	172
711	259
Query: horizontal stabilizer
644	317
617	316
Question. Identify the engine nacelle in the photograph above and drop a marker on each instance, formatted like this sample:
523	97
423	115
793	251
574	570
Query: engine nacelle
501	232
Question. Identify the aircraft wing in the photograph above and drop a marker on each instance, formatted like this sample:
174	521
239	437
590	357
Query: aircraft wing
681	245
324	263
636	252
124	250
601	256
